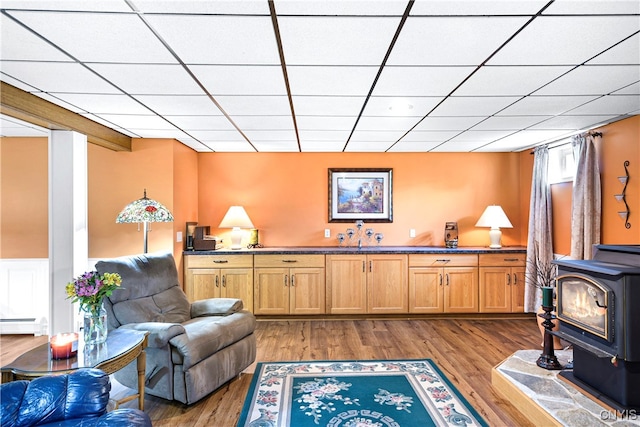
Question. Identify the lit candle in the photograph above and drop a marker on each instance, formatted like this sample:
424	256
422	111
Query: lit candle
64	346
547	296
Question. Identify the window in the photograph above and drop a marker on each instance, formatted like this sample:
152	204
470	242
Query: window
562	166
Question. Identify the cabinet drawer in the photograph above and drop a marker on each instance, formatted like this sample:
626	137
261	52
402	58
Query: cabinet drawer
497	260
219	261
292	261
443	260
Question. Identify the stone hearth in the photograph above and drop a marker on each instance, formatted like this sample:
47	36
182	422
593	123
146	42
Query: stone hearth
547	399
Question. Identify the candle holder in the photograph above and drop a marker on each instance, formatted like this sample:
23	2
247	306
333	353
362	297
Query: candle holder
548	359
356	236
64	346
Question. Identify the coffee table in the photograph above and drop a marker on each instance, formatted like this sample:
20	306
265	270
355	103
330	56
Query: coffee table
122	347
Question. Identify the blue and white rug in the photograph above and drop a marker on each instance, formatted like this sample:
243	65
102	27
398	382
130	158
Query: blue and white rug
376	393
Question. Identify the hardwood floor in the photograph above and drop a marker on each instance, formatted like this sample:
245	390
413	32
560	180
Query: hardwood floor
464	349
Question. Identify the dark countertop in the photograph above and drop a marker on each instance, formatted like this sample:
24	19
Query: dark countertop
331	250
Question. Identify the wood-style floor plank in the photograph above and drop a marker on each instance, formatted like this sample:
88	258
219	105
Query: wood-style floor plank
464	349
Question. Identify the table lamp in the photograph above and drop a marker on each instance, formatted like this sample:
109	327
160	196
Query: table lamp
236	218
495	218
144	211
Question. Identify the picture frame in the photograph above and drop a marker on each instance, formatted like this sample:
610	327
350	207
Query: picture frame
360	194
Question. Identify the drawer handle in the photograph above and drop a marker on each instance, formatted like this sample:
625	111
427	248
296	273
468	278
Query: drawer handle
508	279
443	260
289	260
512	259
224	281
220	261
217	282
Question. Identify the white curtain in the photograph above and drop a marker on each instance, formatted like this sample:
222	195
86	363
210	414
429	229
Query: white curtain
539	241
586	206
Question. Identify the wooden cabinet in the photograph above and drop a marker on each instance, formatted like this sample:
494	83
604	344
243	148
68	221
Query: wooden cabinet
443	283
289	284
502	283
367	284
219	276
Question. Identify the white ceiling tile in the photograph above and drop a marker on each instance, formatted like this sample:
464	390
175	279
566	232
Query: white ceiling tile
136	122
324	135
57	76
370	146
593	80
545	105
451	41
195	145
483	7
430	135
509	81
255	105
408	106
264	122
223	7
240	146
479	137
572	123
199	105
270	135
70	5
10	126
627	52
336	40
632	89
31	47
386	123
17	83
241	80
103	103
473	106
405	146
276	146
561	40
511	123
216	39
610	104
95	37
327	105
192	123
458	146
389	136
206	136
321	146
160	133
326	122
420	81
55	99
349	81
593	7
149	79
448	123
111	125
525	138
340	8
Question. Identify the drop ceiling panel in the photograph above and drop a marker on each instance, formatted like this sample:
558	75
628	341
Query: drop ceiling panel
448	123
136	122
480	8
340	8
321	146
274	147
57	77
321	105
405	146
459	146
55	99
270	135
409	106
611	104
326	122
336	40
149	79
264	122
230	146
207	136
244	7
524	138
430	136
420	81
545	105
509	81
387	136
215	39
103	103
255	105
371	146
511	123
241	80
632	89
386	123
562	40
473	106
192	123
627	52
96	37
573	123
451	41
195	144
70	5
326	80
14	127
31	47
593	7
593	80
324	136
199	105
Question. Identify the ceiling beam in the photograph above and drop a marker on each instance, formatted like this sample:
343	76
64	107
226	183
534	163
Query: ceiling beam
27	107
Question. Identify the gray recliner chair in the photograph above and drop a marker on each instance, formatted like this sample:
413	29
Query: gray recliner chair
194	348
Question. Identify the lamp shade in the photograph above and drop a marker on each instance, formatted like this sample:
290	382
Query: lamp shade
144	210
494	217
236	216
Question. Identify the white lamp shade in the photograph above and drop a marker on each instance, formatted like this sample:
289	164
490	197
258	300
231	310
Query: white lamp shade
494	217
236	216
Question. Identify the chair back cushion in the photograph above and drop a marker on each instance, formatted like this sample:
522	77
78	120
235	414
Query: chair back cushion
150	290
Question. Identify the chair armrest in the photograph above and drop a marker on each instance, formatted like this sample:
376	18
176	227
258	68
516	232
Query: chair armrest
159	332
215	307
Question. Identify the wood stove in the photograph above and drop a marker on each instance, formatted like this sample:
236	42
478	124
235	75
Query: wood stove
598	305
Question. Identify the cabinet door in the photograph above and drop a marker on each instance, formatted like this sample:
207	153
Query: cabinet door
426	290
346	284
271	291
203	283
517	289
461	290
238	283
307	291
495	289
387	287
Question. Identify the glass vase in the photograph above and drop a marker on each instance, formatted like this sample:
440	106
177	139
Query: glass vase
95	326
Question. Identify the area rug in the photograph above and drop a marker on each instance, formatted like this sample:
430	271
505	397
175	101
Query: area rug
376	393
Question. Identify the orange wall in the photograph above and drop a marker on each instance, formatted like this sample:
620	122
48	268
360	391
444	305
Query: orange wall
286	194
24	195
185	194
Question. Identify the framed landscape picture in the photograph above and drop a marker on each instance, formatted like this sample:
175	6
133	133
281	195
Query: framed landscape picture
360	194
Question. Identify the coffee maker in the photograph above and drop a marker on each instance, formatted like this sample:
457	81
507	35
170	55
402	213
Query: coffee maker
451	235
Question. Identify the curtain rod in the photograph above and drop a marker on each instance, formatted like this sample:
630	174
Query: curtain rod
594	134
